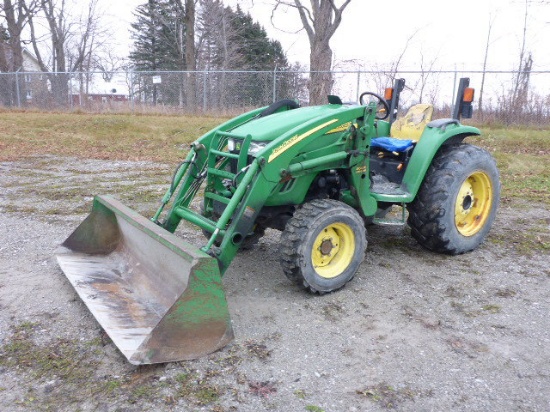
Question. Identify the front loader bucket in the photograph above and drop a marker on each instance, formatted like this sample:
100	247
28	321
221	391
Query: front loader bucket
158	298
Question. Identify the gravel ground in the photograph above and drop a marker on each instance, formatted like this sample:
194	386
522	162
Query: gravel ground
414	331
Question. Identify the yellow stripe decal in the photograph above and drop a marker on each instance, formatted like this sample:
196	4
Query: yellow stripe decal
341	128
296	139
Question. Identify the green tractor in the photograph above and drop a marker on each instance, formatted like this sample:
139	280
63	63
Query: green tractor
318	174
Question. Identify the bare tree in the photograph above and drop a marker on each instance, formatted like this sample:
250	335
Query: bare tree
16	16
86	38
320	20
485	57
68	45
83	46
426	72
190	49
521	80
185	13
386	76
108	62
216	50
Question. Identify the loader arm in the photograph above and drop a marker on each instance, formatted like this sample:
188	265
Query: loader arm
245	192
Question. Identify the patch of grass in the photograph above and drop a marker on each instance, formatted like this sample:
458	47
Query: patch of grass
232	359
258	350
143	391
206	394
333	311
101	136
111	386
505	293
61	358
12	208
534	239
523	159
387	396
300	393
313	408
70	362
522	154
63	199
492	308
473	313
71	367
26	326
184	377
197	389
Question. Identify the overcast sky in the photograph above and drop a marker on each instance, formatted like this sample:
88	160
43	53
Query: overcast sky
450	34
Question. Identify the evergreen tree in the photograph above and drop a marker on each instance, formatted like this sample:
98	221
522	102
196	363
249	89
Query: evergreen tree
159	47
231	40
227	40
256	50
157	34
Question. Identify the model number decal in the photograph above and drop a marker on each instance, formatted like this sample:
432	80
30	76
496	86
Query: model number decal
295	139
341	128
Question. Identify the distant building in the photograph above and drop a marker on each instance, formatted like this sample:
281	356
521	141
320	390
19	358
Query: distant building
23	85
80	100
95	89
37	85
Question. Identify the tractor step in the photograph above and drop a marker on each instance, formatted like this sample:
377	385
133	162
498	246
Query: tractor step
389	222
397	221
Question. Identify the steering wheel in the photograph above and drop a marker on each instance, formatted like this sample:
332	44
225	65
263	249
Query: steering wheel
381	105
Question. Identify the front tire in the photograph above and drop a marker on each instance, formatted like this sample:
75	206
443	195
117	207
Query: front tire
457	203
323	245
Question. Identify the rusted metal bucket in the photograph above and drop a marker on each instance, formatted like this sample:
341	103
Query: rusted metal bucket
158	298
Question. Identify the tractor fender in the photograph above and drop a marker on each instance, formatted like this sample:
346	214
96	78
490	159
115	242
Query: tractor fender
437	134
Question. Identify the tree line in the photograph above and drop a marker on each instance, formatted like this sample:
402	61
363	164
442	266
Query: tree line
167	35
190	36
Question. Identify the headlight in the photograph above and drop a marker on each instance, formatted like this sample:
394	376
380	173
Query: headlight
235	145
255	147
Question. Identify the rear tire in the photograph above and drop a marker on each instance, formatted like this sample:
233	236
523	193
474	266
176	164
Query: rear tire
457	202
323	245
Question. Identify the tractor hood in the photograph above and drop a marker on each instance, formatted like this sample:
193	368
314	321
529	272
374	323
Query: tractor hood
270	127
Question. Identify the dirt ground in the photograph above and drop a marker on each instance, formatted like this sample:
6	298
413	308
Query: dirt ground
414	330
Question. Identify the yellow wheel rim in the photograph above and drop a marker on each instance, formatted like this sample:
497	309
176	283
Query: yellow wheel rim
473	204
333	250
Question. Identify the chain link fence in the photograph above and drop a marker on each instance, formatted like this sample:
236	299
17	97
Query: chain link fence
503	95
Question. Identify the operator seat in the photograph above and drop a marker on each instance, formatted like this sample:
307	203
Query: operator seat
413	123
407	130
